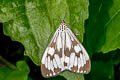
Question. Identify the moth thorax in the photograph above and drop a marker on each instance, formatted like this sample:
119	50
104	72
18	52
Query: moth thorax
62	27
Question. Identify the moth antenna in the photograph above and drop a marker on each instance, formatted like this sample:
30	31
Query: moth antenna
60	19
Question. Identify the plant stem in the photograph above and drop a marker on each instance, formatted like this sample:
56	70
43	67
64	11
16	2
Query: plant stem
7	62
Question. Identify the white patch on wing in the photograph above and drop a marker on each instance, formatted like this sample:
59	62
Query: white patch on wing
62	60
59	43
51	66
66	59
68	31
49	62
81	59
46	63
77	48
84	71
84	52
72	56
54	73
81	71
84	60
68	41
58	61
54	63
51	51
50	74
79	63
75	61
78	71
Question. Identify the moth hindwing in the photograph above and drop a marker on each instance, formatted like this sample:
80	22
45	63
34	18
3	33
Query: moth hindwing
64	52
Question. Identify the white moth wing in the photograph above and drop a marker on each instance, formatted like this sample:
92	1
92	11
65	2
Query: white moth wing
77	59
64	52
51	64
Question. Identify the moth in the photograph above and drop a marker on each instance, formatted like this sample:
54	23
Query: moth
64	52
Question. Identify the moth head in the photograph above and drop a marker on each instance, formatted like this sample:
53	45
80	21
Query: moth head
62	24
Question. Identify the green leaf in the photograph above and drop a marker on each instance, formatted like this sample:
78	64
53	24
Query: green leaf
102	30
10	9
21	73
101	71
33	22
4	72
22	66
56	78
72	76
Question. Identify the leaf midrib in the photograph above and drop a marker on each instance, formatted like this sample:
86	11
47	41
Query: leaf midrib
113	16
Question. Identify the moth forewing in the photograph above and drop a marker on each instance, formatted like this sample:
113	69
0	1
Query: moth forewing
64	52
84	63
